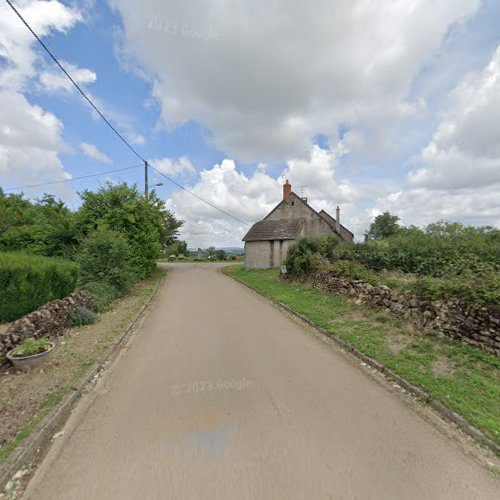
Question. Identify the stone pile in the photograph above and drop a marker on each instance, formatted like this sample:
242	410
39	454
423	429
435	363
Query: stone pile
455	318
49	321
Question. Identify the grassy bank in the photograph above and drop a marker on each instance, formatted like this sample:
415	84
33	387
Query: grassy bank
27	398
465	379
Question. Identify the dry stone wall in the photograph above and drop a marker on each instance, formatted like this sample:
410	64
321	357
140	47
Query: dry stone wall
48	321
473	325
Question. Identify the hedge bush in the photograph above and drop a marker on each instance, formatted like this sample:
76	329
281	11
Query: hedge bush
29	281
104	257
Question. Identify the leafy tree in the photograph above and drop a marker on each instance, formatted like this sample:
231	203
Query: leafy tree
384	226
210	251
176	248
146	224
220	254
45	227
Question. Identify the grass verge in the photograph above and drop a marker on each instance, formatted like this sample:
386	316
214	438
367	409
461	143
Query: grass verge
464	379
27	398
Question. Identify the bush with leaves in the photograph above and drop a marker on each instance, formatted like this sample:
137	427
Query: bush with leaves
44	227
307	255
103	295
450	260
104	257
82	316
145	224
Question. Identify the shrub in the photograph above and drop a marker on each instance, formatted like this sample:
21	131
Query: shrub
307	255
104	257
353	270
29	281
30	347
102	295
82	316
477	291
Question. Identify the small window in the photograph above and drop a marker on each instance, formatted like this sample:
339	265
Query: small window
293	203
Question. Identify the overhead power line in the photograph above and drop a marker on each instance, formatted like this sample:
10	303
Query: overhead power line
199	197
19	188
96	109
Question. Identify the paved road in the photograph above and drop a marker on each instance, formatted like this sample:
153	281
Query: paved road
220	395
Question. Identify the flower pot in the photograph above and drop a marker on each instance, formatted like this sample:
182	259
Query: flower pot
28	363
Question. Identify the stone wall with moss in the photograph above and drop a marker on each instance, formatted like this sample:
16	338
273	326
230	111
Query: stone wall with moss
454	318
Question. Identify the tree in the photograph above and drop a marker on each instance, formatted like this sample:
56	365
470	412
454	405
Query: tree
176	248
145	224
45	227
220	254
210	251
383	226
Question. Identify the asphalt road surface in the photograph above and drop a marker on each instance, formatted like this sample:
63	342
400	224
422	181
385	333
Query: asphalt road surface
219	395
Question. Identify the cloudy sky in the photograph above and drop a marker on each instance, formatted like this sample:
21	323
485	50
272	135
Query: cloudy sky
373	105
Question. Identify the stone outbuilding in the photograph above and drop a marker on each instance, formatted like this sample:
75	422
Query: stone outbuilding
267	241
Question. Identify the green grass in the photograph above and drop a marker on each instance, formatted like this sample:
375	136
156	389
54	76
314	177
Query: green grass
465	379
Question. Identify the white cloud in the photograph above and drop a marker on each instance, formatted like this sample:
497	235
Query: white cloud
16	42
30	137
93	152
465	149
251	197
281	71
56	80
421	206
171	167
459	173
30	142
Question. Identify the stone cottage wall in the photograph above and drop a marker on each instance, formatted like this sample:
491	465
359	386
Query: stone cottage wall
49	321
473	325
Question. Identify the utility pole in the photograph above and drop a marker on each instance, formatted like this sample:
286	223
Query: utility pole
146	186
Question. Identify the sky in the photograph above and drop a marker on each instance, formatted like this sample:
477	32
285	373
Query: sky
387	105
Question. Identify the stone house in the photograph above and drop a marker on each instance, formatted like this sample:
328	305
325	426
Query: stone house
267	241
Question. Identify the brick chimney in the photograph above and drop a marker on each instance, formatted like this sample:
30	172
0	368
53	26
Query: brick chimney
337	225
287	189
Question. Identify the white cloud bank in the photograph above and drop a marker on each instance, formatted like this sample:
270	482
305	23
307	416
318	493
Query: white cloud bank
283	71
459	173
30	137
250	197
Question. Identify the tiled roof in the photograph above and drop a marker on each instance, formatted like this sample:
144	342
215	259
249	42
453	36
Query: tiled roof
281	229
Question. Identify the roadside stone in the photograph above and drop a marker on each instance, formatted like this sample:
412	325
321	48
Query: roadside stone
453	318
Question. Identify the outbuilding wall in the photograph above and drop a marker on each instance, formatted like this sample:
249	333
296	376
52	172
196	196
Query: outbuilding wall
257	254
266	254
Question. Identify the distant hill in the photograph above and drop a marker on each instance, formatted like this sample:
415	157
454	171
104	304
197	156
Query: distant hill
228	250
236	250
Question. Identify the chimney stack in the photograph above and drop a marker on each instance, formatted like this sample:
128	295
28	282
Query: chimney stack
337	224
287	189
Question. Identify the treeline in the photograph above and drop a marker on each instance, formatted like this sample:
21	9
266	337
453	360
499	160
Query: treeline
440	261
111	241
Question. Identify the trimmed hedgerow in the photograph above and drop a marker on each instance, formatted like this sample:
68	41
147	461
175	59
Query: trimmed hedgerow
29	281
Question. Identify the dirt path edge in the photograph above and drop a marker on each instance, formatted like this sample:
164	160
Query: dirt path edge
444	412
38	442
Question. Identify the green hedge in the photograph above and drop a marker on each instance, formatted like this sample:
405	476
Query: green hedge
29	281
